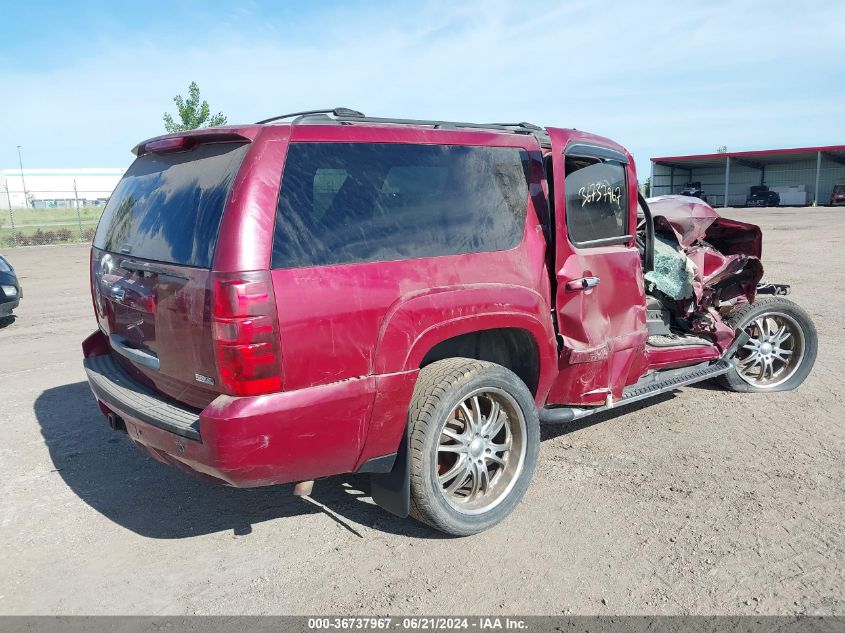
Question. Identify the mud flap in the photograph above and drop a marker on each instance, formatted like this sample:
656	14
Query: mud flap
392	490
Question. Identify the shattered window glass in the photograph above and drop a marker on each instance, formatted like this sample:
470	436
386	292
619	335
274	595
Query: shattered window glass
673	271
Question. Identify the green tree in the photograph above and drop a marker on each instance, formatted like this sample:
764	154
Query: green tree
193	112
722	149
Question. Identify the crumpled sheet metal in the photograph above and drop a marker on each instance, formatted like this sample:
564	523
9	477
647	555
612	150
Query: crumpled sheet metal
688	218
716	247
674	272
692	220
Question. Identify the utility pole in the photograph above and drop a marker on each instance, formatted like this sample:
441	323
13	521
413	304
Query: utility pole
20	164
78	216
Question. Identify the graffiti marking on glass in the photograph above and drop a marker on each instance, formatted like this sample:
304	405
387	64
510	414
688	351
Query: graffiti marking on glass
601	191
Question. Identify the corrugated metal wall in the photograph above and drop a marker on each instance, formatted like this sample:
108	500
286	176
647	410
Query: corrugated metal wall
802	172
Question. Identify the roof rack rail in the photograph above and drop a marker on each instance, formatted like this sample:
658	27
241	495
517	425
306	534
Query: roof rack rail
436	123
347	116
521	124
338	112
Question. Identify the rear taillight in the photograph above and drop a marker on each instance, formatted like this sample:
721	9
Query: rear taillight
246	334
172	144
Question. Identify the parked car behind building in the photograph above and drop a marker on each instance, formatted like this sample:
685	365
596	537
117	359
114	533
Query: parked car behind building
693	190
762	196
837	196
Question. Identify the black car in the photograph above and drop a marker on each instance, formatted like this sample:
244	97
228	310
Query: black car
693	189
760	196
10	289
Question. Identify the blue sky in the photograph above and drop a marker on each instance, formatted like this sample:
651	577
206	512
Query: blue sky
82	82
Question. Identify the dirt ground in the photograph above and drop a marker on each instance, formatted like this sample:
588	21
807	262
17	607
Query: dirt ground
702	502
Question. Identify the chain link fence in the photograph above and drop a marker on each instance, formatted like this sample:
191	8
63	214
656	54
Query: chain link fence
49	217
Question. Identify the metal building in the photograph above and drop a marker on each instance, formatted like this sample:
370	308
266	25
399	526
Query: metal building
802	176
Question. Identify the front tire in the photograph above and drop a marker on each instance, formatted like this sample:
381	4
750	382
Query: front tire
781	350
474	441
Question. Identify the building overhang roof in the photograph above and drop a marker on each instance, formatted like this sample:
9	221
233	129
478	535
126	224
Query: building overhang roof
757	158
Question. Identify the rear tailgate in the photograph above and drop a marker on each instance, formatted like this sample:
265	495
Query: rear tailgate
151	267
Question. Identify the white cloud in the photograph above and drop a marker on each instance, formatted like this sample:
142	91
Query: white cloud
660	78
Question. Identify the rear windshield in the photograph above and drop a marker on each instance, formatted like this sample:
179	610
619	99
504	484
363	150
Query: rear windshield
167	207
367	202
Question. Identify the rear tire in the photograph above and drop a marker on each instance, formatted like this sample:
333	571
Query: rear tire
474	441
782	349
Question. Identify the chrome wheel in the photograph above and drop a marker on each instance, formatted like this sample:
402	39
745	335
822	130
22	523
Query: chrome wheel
481	450
773	353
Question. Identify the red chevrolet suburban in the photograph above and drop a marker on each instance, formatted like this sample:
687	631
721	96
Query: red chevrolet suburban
325	293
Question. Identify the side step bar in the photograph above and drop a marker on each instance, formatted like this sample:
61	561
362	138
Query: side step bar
564	415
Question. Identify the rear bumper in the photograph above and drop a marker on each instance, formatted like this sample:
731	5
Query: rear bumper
113	386
245	442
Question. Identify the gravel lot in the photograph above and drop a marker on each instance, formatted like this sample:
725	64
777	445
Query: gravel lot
702	502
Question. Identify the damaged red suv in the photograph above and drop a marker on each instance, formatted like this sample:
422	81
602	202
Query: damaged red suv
327	293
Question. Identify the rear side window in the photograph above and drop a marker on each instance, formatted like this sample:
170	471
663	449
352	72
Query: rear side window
368	202
167	207
596	199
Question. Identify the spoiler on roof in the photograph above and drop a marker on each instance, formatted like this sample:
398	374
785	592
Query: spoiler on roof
185	141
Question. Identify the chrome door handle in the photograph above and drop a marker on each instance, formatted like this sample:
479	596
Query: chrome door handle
583	284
